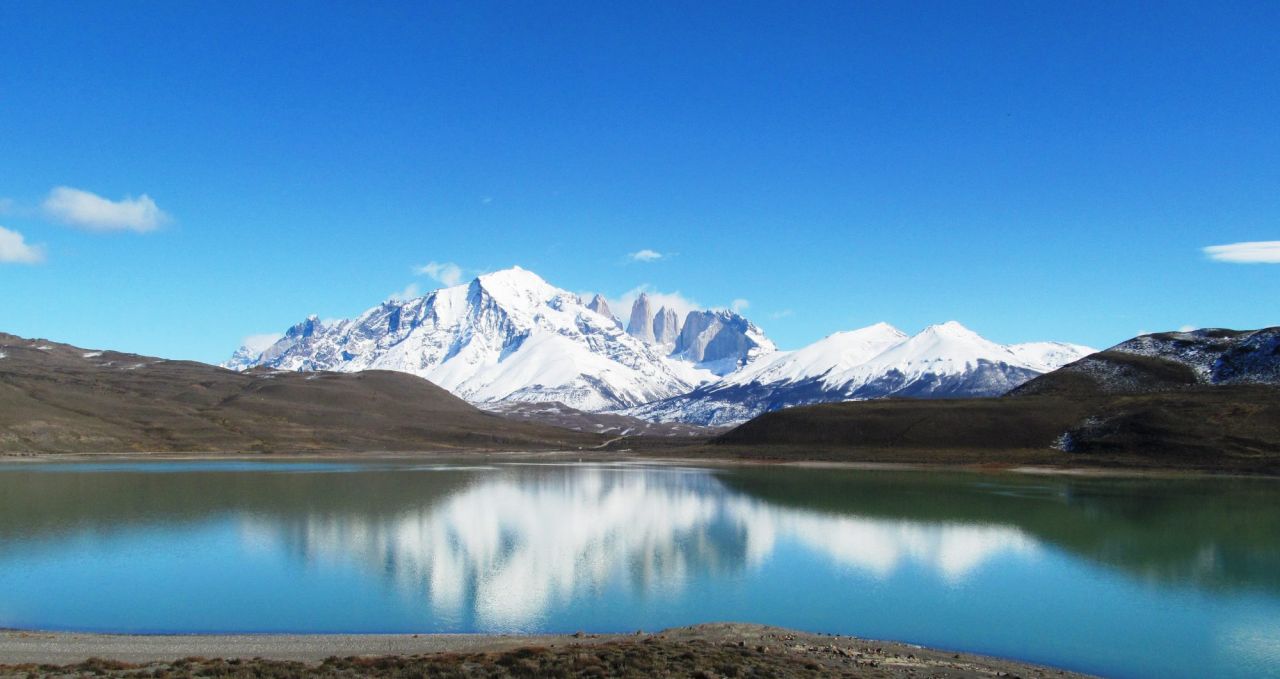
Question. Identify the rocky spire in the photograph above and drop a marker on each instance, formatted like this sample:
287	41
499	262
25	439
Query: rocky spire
600	306
666	327
641	325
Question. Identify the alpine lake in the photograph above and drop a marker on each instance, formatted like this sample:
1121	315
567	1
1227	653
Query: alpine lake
1117	576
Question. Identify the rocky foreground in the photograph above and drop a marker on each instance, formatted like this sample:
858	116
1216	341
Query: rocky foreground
716	650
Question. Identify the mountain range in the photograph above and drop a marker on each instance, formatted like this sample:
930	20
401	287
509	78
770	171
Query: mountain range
509	336
942	361
1206	399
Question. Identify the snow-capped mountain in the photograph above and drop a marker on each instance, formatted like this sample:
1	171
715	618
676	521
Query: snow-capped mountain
244	358
508	335
946	360
511	336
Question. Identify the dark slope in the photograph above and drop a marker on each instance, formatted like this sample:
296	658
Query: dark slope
1204	400
59	398
1169	361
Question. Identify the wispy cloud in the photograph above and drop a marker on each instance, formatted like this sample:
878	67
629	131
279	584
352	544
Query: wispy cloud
1254	252
1188	328
256	344
739	305
15	250
448	273
410	291
782	314
95	213
645	255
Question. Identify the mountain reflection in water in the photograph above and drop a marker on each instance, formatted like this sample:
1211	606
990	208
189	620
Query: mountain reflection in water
510	544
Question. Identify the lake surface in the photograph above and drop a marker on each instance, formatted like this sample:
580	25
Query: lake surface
1121	577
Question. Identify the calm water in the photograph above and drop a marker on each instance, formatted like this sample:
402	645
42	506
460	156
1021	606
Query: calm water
1118	577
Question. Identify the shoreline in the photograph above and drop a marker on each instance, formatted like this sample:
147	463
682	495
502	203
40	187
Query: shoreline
629	456
782	649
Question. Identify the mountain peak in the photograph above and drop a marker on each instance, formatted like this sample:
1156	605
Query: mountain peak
513	276
599	305
877	330
666	327
517	288
641	325
950	329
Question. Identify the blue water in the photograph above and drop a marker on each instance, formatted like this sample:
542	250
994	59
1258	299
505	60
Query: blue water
1129	578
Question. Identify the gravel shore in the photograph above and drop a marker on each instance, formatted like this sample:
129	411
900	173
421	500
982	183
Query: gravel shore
712	650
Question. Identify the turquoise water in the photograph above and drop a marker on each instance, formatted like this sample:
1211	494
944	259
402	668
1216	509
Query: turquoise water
1120	577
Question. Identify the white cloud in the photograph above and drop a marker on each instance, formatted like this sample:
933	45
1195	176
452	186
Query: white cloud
448	273
1254	252
782	314
645	255
1188	328
15	250
257	344
95	213
739	305
411	291
621	306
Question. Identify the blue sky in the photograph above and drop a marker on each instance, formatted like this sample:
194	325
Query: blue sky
1033	170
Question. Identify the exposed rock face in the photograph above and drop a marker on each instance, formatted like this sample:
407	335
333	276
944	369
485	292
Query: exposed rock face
600	306
719	341
666	328
719	336
641	325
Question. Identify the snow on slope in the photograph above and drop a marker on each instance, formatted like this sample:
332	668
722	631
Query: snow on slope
946	360
1216	355
944	349
1049	356
838	352
504	335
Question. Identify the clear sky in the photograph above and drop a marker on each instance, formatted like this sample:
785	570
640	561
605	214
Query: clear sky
1034	170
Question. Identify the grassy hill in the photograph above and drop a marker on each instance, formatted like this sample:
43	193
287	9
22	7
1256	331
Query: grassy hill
59	398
